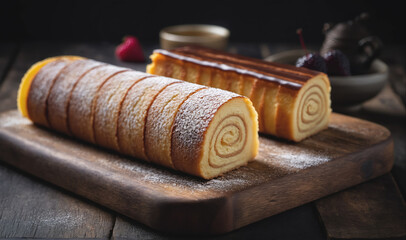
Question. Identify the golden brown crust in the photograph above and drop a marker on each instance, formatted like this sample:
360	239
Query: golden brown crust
108	105
133	114
82	103
268	112
218	59
256	96
192	73
191	125
39	91
277	91
283	119
26	80
198	130
160	120
61	90
233	84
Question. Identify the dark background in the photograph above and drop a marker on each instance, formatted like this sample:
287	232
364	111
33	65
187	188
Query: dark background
249	20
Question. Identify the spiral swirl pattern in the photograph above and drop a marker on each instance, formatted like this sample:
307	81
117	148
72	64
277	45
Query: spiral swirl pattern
312	108
194	129
292	103
228	140
216	130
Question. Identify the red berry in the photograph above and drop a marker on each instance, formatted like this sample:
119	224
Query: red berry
130	50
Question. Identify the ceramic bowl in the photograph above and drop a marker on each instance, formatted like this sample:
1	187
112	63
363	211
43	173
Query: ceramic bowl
211	36
345	90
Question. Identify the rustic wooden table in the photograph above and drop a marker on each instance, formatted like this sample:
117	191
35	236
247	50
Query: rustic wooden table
32	208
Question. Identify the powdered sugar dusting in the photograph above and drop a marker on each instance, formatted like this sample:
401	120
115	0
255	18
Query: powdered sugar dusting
178	182
14	119
40	88
133	113
61	90
161	116
107	106
81	103
122	168
291	157
194	117
276	159
361	131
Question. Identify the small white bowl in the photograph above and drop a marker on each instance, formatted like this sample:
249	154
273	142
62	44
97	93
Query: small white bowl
356	89
346	91
287	57
211	36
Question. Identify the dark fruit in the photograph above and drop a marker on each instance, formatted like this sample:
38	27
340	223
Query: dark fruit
355	40
337	63
312	61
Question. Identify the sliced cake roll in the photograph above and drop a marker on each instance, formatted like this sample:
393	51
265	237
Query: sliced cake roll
213	131
133	114
60	93
40	88
292	103
188	127
108	104
160	120
82	104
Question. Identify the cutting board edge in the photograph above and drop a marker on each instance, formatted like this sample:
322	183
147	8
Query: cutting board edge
232	221
383	166
223	216
169	206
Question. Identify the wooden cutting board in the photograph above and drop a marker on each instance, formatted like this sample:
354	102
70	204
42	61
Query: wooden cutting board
284	175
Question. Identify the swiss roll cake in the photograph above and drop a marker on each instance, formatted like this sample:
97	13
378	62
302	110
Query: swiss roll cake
292	103
188	127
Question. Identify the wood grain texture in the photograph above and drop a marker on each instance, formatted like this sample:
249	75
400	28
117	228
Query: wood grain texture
22	217
292	224
373	209
283	176
280	226
35	209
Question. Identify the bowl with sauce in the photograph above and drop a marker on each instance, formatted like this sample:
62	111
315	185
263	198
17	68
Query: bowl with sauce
211	36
